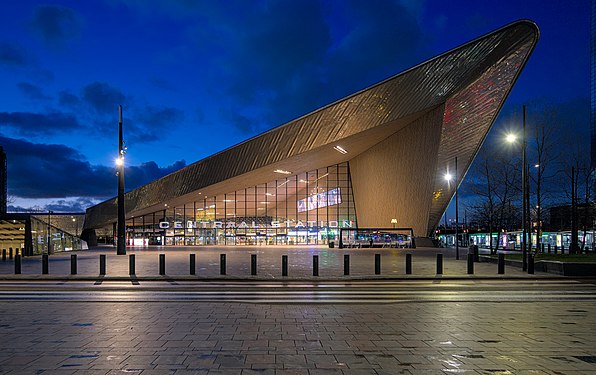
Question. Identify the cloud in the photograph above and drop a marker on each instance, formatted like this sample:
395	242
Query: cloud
12	55
70	205
68	99
159	117
149	123
102	97
290	52
146	172
37	170
240	122
31	91
30	124
42	205
56	24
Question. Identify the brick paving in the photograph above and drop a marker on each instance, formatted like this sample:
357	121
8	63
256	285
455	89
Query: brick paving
546	337
300	258
235	338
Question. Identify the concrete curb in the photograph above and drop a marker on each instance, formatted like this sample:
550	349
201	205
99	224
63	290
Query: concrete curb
569	269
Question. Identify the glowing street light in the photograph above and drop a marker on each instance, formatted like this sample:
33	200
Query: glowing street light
512	138
449	177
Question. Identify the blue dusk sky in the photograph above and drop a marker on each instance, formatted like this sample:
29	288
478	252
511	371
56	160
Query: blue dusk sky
196	77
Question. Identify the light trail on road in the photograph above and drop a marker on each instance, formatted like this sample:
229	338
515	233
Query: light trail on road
300	292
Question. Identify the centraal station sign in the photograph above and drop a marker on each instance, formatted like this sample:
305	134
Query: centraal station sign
253	225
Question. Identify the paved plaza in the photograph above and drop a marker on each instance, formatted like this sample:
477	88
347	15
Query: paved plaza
240	324
269	260
237	338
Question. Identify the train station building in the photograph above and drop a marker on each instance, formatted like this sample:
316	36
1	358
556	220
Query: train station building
373	159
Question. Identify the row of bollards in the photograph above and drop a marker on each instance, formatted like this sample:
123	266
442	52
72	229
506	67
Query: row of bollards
284	264
10	252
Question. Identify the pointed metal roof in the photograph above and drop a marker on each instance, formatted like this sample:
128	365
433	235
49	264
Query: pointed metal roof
471	81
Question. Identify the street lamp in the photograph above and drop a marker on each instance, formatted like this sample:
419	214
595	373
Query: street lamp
121	245
512	138
449	177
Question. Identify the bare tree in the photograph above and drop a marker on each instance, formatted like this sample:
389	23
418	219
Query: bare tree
495	188
545	153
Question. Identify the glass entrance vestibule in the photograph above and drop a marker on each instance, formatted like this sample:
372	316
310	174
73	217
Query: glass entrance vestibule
308	208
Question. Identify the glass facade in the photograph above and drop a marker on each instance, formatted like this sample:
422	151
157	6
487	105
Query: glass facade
32	233
42	233
307	208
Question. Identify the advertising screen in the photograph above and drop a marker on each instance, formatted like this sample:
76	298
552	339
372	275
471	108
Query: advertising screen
328	198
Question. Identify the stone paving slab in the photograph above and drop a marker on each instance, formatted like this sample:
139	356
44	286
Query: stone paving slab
235	338
269	258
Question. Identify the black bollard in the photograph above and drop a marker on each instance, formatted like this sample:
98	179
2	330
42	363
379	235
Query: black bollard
346	264
17	265
408	264
131	264
476	253
10	253
556	248
530	264
4	255
222	264
193	264
439	264
470	264
548	248
73	264
284	265
102	264
501	265
315	265
253	264
45	267
562	249
377	264
162	264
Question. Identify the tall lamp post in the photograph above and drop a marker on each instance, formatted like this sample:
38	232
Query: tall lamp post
449	177
511	138
121	246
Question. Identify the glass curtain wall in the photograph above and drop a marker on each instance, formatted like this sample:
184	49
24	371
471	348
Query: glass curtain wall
308	208
42	233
